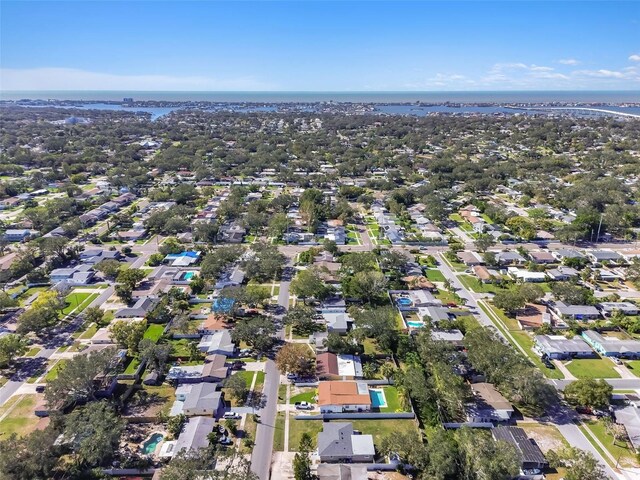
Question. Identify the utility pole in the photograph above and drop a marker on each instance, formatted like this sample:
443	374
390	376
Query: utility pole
599	227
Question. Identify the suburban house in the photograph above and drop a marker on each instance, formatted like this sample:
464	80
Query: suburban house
560	347
526	276
528	451
542	257
77	275
489	405
330	366
219	342
627	308
332	305
510	258
562	273
470	259
333	471
197	399
213	370
454	337
231	278
338	322
483	274
600	256
563	254
612	346
231	233
19	235
629	417
338	397
319	341
96	255
338	443
182	259
139	309
194	436
575	312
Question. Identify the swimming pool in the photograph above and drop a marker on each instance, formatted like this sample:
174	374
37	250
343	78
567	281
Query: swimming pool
415	323
188	275
149	446
404	301
377	398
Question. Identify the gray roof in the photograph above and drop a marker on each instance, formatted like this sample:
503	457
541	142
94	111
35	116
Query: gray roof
438	314
194	434
571	310
338	440
612	345
629	416
203	395
560	344
528	451
604	255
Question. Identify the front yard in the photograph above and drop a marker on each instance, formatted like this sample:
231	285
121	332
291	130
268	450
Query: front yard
592	368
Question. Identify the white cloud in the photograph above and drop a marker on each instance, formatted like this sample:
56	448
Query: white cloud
569	61
602	73
75	79
634	58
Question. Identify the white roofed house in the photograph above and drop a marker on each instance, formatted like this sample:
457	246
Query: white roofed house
626	308
219	342
560	347
77	275
194	436
338	322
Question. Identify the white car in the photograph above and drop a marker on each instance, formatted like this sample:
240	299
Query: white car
231	415
304	406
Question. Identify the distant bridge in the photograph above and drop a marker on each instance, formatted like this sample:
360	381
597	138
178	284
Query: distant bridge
584	109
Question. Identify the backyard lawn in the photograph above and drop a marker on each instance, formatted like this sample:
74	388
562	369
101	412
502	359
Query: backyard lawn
154	332
592	368
633	366
393	401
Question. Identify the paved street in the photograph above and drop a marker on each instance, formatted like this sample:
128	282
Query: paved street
263	449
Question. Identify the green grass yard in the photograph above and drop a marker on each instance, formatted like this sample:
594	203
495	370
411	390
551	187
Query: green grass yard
619	449
309	395
435	275
154	332
592	368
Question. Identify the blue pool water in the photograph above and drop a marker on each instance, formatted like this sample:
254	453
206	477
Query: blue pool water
415	324
149	446
377	398
188	275
223	305
404	301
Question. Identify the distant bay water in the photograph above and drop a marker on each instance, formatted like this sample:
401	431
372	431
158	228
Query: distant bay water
608	97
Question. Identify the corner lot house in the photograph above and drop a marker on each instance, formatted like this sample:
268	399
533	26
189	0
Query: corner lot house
338	397
337	443
489	405
611	346
560	347
529	453
78	275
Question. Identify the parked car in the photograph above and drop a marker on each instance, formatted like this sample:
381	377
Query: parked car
304	406
231	415
616	360
40	388
224	440
291	376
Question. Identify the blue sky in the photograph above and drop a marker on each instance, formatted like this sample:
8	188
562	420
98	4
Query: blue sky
319	46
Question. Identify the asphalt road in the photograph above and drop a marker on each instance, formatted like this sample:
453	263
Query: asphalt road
263	448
